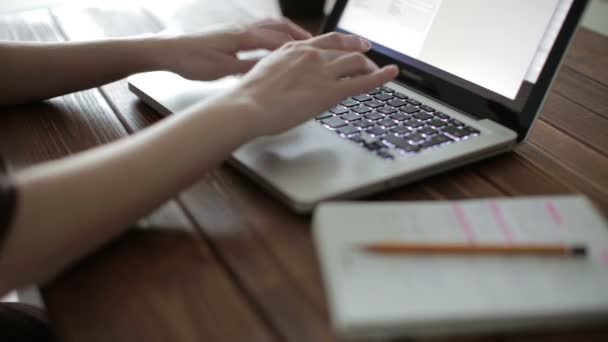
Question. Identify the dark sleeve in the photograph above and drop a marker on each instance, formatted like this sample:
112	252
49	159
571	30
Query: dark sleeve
7	206
22	322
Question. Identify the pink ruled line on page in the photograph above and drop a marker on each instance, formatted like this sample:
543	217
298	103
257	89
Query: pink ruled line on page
604	257
554	213
462	218
502	222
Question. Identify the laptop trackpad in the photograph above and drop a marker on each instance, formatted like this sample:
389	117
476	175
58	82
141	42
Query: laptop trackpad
309	163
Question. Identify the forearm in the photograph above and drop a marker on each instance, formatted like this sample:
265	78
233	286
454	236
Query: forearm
68	208
38	71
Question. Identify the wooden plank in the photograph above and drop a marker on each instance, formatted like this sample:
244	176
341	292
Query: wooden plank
193	16
571	154
161	284
595	333
68	124
237	217
81	23
588	55
577	122
582	90
516	177
86	23
553	169
460	184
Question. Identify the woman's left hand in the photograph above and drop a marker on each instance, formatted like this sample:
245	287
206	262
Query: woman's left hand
213	54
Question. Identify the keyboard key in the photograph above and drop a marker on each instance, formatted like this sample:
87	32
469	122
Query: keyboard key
413	123
409	109
325	115
385	155
386	123
334	122
401	96
401	143
364	124
363	98
383	97
436	123
387	89
374	104
423	116
371	143
351	117
442	116
472	130
348	130
375	91
377	131
374	116
339	110
400	130
414	137
396	103
361	109
356	138
387	110
399	117
414	102
456	123
436	140
349	103
427	108
373	146
456	132
428	131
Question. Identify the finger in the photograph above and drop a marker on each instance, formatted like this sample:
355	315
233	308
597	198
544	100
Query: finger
261	38
243	66
285	25
352	64
339	41
363	83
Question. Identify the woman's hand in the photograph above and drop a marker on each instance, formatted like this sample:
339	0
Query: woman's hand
60	68
213	54
302	79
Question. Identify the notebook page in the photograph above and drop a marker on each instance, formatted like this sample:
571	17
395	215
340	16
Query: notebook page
378	288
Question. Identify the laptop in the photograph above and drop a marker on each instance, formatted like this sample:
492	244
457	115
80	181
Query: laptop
474	75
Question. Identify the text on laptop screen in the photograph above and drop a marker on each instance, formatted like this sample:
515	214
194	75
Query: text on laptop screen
498	45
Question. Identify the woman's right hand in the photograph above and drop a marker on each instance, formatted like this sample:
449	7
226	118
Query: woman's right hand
304	78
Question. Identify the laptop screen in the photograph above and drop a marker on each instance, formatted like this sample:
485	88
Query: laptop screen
494	48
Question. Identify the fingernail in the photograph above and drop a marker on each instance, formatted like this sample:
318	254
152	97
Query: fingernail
367	44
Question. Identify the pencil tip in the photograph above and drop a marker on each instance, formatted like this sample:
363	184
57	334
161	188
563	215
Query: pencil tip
579	251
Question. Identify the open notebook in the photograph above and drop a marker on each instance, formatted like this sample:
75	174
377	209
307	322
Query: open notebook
383	296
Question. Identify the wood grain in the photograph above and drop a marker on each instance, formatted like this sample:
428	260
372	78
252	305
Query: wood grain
582	90
587	55
68	124
161	284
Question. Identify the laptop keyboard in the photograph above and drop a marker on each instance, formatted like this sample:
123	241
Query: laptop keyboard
390	124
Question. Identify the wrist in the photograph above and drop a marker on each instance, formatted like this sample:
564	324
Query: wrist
153	53
239	111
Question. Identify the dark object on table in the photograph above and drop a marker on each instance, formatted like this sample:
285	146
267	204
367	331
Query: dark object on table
22	322
302	8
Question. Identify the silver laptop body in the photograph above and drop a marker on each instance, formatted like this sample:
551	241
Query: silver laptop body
313	162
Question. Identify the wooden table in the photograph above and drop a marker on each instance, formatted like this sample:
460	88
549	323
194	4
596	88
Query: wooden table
223	261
